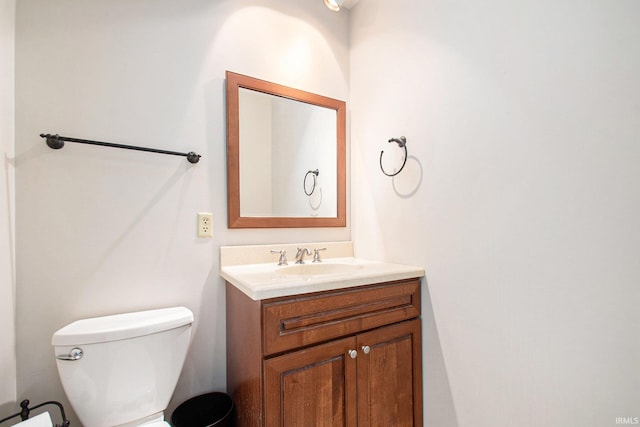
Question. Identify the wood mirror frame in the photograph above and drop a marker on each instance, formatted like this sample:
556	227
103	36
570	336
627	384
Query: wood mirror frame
236	81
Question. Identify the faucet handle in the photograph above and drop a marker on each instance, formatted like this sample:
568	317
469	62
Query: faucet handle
283	259
316	254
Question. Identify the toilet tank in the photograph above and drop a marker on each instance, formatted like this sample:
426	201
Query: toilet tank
129	366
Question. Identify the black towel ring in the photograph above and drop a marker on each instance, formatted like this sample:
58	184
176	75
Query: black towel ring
402	143
315	174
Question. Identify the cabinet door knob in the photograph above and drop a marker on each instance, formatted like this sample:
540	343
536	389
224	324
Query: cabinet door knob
366	349
353	354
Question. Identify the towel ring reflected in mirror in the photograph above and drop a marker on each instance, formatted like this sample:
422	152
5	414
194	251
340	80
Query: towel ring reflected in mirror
314	174
402	143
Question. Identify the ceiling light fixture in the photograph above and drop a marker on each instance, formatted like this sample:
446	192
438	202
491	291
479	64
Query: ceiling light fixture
334	4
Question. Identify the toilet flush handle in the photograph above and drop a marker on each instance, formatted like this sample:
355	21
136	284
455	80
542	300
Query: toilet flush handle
75	354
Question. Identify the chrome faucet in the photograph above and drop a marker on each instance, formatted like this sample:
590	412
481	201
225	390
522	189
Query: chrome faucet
300	255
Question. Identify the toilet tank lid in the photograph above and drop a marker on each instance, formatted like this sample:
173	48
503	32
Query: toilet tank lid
122	326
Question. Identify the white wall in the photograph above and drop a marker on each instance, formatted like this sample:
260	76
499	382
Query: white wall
521	199
7	206
102	230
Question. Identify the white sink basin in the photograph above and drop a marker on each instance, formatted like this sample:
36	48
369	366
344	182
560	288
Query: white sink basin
318	269
268	280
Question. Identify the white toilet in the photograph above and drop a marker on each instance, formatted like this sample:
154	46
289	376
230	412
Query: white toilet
122	370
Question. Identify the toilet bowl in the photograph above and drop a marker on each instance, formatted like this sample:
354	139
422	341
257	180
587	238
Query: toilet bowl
121	370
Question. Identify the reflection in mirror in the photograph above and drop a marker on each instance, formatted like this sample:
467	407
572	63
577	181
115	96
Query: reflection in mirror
281	141
286	156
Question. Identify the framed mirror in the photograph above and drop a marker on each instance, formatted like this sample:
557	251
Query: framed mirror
286	156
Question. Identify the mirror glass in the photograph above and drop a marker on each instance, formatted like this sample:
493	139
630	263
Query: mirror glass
285	155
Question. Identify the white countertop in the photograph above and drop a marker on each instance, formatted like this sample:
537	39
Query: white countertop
268	280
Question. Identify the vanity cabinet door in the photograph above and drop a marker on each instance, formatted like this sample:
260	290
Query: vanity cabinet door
390	376
312	387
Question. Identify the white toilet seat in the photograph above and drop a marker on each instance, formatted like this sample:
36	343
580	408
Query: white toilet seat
157	424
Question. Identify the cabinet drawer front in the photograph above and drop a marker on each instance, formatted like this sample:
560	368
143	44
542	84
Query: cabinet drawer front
306	320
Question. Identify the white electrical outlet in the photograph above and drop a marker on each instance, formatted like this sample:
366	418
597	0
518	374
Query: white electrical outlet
205	224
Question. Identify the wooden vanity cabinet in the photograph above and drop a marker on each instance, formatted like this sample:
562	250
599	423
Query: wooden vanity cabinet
347	357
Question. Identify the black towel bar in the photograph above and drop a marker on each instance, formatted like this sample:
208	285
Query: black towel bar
56	142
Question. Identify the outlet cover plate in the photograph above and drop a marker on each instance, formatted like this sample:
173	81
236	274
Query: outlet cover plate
205	224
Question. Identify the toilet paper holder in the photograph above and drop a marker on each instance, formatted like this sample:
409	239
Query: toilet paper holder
24	413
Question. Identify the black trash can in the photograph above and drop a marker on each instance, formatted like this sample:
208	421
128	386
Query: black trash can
206	410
